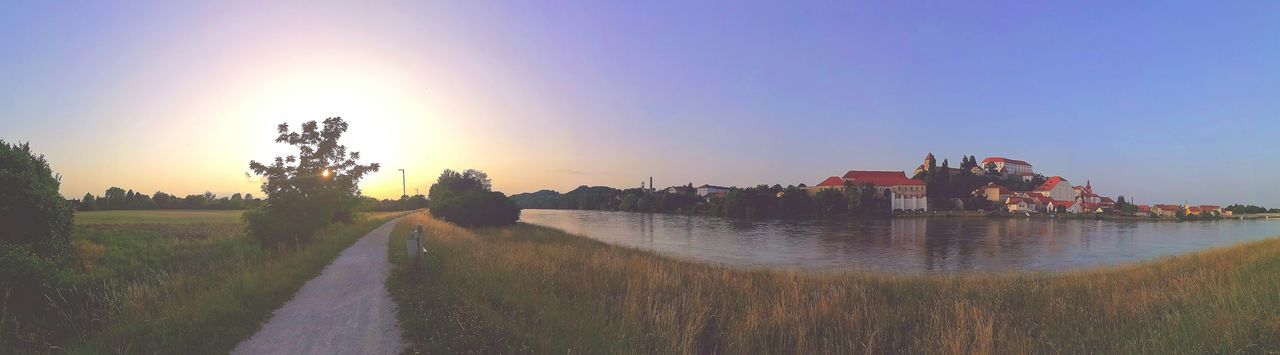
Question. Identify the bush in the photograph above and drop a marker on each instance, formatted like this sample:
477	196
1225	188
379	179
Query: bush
33	215
464	199
36	305
473	208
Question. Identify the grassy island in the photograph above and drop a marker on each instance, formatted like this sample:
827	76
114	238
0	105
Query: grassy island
526	288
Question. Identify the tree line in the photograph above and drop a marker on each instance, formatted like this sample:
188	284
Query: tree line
761	201
116	198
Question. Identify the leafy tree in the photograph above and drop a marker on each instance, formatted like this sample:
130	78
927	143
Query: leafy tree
88	203
115	198
852	196
629	203
34	216
465	199
795	203
310	190
35	245
829	203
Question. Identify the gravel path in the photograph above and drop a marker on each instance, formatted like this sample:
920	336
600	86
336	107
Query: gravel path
345	310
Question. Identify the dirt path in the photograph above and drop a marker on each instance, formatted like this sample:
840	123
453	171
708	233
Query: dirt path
345	310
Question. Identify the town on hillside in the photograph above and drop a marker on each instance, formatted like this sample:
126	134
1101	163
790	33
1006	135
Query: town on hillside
1012	185
991	185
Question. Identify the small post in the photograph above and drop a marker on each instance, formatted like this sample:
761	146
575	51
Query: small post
413	245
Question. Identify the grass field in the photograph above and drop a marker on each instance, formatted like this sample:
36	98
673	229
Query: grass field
183	281
526	288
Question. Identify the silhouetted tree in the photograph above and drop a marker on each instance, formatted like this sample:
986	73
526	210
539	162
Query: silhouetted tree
307	191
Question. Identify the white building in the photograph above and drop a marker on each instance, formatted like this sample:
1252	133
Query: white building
705	190
1009	166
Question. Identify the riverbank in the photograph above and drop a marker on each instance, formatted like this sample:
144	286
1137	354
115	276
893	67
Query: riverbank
531	288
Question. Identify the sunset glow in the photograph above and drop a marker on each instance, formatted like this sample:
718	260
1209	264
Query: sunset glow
548	96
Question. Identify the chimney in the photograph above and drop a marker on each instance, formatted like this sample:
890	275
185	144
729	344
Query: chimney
651	184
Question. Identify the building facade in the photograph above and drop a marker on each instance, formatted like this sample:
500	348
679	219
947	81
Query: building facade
904	193
705	190
1009	166
1056	188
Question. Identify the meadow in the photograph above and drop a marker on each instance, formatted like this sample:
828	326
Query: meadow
178	281
525	288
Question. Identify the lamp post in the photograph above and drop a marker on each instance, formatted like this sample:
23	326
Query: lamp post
404	190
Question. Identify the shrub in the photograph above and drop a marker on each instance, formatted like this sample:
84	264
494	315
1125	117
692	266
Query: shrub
465	199
473	208
33	215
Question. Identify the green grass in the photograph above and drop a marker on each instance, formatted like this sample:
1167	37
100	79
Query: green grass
526	288
162	217
186	281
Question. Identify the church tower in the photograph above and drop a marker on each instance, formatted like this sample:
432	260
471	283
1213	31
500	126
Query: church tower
929	162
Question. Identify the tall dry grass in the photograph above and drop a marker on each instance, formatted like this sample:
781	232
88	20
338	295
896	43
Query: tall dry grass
529	288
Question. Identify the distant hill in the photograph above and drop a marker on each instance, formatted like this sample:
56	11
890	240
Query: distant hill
582	198
546	199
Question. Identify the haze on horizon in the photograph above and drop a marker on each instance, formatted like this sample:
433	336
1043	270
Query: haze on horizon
1162	102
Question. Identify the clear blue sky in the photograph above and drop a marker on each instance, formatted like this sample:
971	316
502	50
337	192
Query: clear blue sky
1166	101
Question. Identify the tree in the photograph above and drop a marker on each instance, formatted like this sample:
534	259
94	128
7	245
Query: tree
88	203
829	203
35	244
35	217
310	190
115	198
465	199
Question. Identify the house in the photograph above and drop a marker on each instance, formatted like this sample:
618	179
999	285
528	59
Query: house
993	192
716	195
1085	193
1028	202
705	190
904	193
1211	209
1067	206
680	190
1056	188
1009	166
1142	211
1020	204
1166	210
1193	210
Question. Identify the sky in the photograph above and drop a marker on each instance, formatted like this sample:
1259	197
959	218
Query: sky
1163	101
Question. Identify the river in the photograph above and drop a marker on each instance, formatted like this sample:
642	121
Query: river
910	245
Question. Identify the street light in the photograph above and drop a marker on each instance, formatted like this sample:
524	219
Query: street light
404	190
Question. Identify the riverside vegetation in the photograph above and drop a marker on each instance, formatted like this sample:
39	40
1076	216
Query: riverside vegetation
525	288
175	281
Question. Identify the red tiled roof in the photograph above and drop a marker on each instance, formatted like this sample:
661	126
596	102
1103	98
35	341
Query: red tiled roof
1209	207
1107	200
881	178
832	181
1063	203
1051	183
1144	208
1170	208
1004	160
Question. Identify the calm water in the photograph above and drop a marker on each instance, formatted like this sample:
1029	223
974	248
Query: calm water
905	244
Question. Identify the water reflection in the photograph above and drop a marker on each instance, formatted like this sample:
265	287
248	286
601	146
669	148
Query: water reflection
927	245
